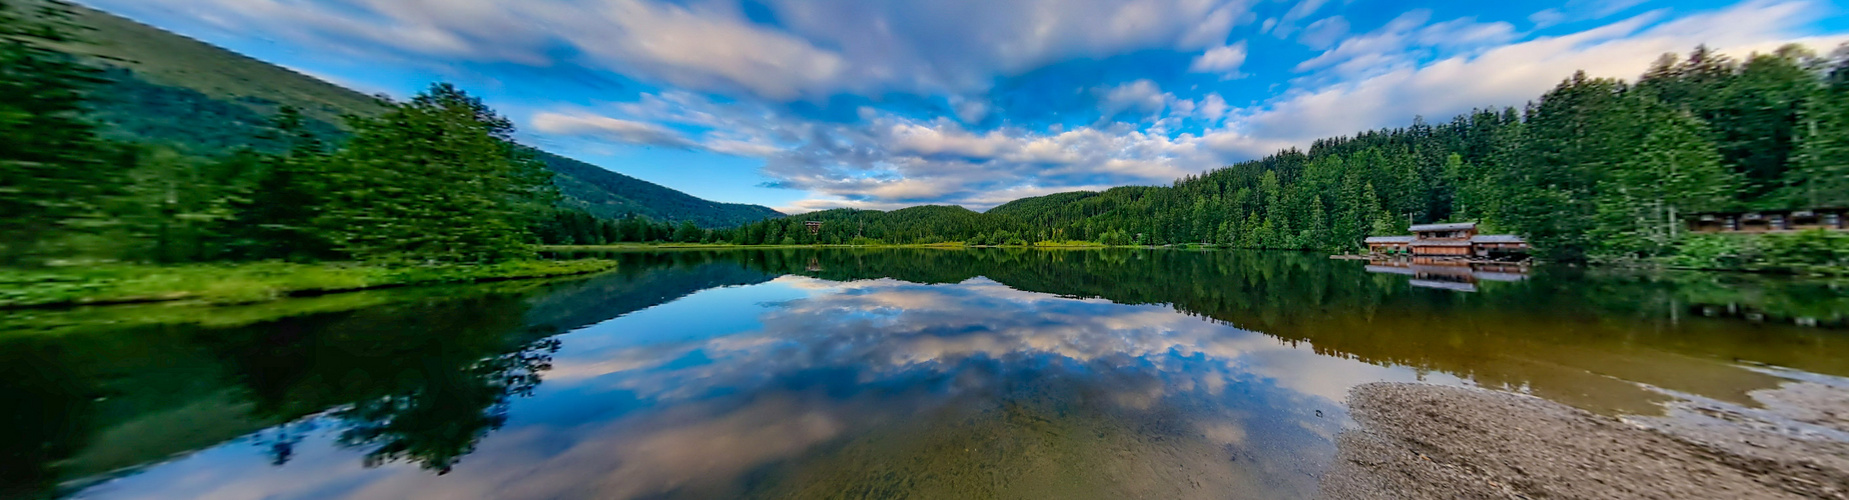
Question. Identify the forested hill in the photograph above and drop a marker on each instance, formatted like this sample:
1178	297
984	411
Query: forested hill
168	89
608	194
1594	168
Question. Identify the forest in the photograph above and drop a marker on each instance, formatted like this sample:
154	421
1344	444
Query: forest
435	179
1595	169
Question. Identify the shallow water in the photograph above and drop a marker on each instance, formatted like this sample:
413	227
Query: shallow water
858	374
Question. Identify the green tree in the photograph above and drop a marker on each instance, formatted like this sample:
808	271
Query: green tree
437	178
276	219
687	232
1675	171
1820	174
51	173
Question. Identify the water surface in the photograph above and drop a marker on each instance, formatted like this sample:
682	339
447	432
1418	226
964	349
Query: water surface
857	373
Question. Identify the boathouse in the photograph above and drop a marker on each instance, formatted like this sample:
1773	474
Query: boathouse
1450	240
815	226
1449	274
1768	221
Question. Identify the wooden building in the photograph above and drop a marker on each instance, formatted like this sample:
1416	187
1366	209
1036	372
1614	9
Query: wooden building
1389	244
815	226
1768	221
1451	240
1448	274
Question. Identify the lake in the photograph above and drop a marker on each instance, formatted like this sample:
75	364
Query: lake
844	373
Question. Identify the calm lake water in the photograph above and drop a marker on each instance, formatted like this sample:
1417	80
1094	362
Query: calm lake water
857	374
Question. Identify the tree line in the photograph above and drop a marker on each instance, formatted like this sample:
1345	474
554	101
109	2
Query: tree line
437	178
1596	167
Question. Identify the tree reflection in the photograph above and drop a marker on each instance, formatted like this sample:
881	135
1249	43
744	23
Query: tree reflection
436	424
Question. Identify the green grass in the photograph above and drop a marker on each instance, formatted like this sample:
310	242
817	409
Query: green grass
249	282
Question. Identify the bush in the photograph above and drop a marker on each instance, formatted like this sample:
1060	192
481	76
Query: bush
1805	252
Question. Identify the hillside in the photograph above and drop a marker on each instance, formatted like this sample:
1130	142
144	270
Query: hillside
609	194
166	88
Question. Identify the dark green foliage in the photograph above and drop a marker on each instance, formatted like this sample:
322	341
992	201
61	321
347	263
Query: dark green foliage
276	220
1810	252
439	178
161	88
51	173
1594	168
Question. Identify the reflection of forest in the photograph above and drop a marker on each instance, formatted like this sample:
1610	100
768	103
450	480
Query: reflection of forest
1578	337
421	375
413	375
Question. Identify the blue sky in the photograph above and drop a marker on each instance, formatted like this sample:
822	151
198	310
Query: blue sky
814	104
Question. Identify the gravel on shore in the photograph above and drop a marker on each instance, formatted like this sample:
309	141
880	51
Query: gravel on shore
1426	441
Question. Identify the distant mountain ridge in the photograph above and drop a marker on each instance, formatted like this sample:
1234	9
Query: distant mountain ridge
166	87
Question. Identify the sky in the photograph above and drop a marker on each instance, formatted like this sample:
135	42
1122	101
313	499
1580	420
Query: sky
806	105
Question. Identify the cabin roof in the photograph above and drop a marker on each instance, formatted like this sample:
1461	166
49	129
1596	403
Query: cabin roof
1497	238
1389	239
1454	226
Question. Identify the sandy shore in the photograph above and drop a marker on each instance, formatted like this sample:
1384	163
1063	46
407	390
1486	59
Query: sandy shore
1424	441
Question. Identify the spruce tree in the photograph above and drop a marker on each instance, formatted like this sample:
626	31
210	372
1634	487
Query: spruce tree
53	170
436	179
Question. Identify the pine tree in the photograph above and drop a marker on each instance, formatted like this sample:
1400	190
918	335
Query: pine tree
1820	174
1755	118
436	179
53	170
276	219
1676	170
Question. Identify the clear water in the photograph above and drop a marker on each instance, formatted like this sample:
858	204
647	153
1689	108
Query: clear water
856	374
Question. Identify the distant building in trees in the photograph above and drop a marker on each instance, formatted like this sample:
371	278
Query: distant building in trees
1454	240
815	226
1766	221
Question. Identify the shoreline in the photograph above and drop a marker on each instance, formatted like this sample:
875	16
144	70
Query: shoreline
246	283
1428	441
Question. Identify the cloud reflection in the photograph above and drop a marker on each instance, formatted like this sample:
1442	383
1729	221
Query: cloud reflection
697	415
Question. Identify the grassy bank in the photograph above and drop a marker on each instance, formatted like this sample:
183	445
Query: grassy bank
250	282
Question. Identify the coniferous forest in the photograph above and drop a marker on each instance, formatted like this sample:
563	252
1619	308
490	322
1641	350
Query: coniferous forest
1593	169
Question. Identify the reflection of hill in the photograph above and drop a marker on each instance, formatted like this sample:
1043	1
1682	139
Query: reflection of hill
1568	335
415	375
639	284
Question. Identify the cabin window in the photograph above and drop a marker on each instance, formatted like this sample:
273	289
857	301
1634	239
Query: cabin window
1778	222
1733	223
1833	219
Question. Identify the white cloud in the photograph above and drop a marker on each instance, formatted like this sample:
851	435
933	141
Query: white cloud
1141	96
1501	75
1324	32
623	131
1403	40
1288	23
1581	10
1224	59
822	47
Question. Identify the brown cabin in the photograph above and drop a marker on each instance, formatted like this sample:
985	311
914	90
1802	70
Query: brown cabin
1454	240
1768	221
1449	274
815	226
